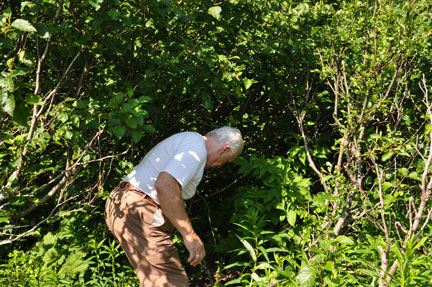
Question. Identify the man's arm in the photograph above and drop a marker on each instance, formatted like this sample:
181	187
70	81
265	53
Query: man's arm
171	201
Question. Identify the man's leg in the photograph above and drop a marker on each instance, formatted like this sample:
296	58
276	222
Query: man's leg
149	248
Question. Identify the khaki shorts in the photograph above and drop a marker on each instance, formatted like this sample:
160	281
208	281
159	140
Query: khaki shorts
145	236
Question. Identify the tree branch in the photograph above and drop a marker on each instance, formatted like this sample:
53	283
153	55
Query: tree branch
311	163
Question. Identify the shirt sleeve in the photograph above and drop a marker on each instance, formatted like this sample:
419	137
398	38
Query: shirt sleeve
186	162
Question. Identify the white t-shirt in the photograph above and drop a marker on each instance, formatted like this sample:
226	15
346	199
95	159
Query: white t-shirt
182	155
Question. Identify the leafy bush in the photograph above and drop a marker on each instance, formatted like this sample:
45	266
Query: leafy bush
71	256
333	98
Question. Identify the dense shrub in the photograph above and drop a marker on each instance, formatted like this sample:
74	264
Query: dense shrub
333	97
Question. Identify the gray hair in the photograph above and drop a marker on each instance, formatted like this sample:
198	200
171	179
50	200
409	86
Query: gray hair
229	135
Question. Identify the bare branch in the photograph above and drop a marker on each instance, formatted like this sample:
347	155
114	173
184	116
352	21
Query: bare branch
425	186
398	224
424	224
384	253
8	241
61	184
38	77
55	90
45	198
311	163
344	216
384	265
103	158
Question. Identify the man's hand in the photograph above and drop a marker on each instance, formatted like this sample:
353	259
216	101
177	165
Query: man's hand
195	247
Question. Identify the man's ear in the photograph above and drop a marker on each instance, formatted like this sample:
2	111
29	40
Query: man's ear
227	147
224	148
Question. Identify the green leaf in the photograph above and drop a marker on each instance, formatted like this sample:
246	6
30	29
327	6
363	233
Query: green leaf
264	252
116	101
4	219
74	265
6	84
25	4
388	200
63	117
9	63
48	241
96	3
292	216
50	257
428	128
215	11
23	25
420	243
247	83
7	102
68	135
7	13
25	60
374	136
132	123
414	175
306	276
329	266
248	247
344	240
144	99
18	202
208	103
21	114
235	264
240	280
137	136
119	132
139	120
387	155
149	128
114	121
33	99
387	185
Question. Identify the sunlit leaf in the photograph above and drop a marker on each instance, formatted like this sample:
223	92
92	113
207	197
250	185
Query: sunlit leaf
329	266
248	247
387	155
215	11
428	128
306	276
247	83
23	25
96	4
292	216
344	240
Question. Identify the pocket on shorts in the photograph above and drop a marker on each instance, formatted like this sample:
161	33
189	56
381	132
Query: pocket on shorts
158	218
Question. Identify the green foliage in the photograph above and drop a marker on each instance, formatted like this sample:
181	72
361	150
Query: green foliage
269	218
332	97
73	256
20	270
412	269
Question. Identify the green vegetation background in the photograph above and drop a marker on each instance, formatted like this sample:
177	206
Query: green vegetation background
333	98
